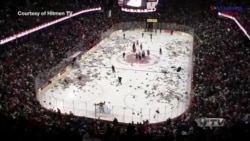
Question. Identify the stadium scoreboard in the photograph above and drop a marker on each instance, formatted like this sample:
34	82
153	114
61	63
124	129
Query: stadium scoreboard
139	6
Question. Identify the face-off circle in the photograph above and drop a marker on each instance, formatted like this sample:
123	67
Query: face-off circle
142	61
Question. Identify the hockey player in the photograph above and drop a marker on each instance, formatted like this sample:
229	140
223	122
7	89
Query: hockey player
123	55
160	51
134	49
171	32
139	56
143	54
142	34
113	68
148	52
120	80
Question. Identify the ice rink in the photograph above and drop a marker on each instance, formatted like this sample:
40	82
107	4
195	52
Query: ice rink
153	88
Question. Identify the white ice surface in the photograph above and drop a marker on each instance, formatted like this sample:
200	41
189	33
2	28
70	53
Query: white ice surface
144	88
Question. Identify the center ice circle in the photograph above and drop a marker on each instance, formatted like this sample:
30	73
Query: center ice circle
130	58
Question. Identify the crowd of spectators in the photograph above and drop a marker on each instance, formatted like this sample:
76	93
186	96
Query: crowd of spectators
220	79
13	23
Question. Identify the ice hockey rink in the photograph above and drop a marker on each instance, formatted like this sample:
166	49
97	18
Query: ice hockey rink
153	88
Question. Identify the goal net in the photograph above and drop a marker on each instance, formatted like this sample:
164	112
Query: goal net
102	111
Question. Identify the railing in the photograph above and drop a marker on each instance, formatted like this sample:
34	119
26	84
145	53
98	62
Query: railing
109	112
124	114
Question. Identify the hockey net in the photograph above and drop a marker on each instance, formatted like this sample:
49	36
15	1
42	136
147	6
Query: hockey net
102	110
